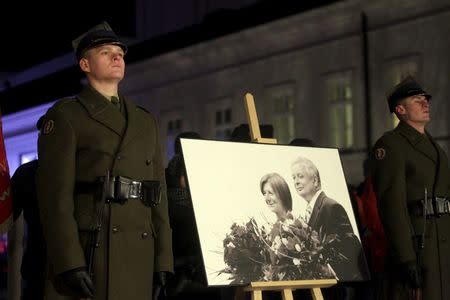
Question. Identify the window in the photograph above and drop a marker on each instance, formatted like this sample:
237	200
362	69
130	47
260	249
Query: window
223	125
398	69
172	122
220	114
281	112
339	96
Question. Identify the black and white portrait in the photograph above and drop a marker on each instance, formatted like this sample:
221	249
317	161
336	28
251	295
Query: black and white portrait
272	212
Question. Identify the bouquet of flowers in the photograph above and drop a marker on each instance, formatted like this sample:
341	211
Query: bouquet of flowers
244	252
290	250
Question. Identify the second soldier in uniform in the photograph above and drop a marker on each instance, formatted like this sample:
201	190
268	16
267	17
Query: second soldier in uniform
412	180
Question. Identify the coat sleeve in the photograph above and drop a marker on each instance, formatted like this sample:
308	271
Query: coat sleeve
55	184
160	214
388	167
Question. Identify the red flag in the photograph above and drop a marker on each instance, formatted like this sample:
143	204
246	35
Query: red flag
5	188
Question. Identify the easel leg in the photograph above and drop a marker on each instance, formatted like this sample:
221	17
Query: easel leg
257	295
287	294
316	294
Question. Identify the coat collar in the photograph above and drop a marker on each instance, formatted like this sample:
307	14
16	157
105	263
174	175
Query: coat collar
421	142
101	110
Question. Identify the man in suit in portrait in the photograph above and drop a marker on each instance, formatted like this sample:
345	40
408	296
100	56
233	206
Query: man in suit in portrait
328	217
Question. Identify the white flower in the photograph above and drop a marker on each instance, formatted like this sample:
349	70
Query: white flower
276	242
296	261
284	241
231	245
297	247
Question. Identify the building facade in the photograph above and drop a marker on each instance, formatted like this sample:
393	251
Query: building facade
308	75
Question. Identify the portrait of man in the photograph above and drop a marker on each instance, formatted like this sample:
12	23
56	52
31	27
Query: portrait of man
327	216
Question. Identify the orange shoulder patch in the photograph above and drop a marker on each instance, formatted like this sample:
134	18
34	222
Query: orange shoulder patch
380	153
48	126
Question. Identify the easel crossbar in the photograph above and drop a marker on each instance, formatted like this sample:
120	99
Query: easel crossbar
293	284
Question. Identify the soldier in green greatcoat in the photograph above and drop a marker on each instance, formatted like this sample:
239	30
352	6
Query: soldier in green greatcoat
105	235
412	181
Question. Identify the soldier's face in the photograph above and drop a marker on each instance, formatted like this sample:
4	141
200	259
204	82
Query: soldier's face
104	63
415	109
303	181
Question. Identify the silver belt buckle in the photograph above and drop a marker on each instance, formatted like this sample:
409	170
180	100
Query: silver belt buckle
135	190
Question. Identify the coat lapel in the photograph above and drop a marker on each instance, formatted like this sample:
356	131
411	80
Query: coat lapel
101	110
316	209
134	126
441	168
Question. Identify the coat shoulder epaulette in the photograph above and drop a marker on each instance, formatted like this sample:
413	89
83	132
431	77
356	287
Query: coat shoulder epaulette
143	109
388	137
147	112
63	103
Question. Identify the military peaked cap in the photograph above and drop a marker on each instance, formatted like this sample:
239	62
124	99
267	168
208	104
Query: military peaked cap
406	88
99	35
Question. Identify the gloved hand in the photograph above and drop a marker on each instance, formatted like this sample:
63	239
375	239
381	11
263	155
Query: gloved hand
160	285
413	273
78	282
179	283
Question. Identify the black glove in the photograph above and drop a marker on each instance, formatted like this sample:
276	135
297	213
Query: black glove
78	283
160	285
413	273
179	283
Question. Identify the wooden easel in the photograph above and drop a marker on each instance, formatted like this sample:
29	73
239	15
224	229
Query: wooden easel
285	287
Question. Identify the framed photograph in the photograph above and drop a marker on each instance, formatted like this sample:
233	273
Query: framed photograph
272	212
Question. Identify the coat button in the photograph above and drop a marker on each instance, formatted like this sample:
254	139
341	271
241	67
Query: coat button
115	230
119	157
148	162
144	235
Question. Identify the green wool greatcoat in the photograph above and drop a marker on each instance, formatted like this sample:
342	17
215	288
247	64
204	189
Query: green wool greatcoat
81	138
404	164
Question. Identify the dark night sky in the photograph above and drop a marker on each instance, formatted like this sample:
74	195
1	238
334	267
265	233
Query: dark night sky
32	32
36	31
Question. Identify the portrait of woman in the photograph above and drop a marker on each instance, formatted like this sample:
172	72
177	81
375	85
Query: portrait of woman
276	195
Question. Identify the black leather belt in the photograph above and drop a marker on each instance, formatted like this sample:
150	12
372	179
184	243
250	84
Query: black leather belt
124	188
435	207
120	189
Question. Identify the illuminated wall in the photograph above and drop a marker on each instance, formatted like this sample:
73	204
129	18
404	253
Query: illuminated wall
20	133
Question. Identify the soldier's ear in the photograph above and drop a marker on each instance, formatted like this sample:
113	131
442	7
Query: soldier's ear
400	109
84	65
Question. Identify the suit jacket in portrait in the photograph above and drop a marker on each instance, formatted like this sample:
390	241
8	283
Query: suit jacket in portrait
329	217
